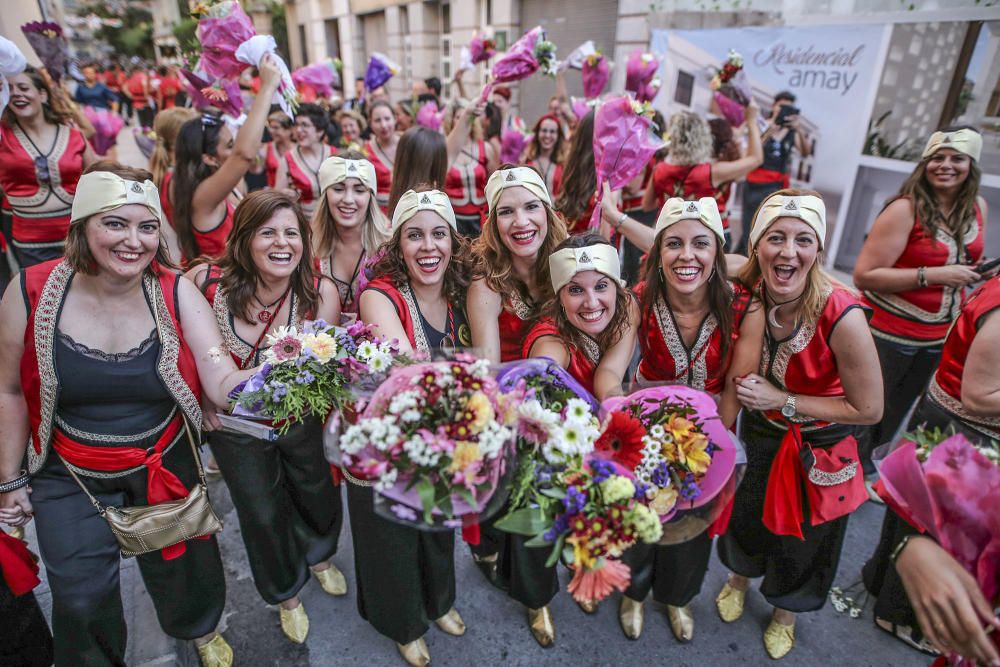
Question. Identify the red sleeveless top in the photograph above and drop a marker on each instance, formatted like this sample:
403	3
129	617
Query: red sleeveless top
921	316
465	185
804	363
27	194
689	182
303	179
580	366
383	177
45	286
582	224
552	176
168	208
212	244
946	386
514	322
665	357
271	160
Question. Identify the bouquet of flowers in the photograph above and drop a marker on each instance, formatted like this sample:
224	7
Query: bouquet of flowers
106	124
311	371
12	62
624	141
731	89
512	144
253	51
318	79
576	59
221	94
428	116
595	74
673	441
222	28
927	478
481	48
525	57
380	69
581	107
640	75
48	41
145	139
434	440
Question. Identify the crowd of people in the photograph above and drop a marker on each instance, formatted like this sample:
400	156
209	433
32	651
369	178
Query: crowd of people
144	297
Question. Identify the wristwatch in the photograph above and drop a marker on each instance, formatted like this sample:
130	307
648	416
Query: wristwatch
788	409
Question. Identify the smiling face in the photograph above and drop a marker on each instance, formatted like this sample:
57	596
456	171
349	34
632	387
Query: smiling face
548	134
349	129
348	201
688	252
425	242
522	222
279	132
276	246
123	241
404	121
786	252
306	133
947	169
589	301
383	122
25	99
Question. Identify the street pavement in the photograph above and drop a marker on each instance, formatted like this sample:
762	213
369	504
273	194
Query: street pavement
497	632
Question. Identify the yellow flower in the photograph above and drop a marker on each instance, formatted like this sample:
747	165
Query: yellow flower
691	453
581	555
466	453
680	427
481	409
324	346
664	500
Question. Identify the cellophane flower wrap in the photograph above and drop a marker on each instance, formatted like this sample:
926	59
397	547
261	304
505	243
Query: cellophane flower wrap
221	30
595	75
640	75
312	370
512	144
380	69
944	485
253	51
624	142
434	440
525	57
481	48
223	95
429	116
318	79
49	43
106	124
673	441
731	88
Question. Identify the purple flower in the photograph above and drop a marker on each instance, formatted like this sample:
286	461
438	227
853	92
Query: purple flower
305	377
278	390
574	501
403	512
601	469
689	488
559	526
661	475
640	490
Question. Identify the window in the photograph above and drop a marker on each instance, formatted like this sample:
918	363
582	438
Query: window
302	44
685	88
332	30
446	18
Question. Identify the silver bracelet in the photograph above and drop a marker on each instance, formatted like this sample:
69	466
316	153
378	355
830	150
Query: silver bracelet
621	220
16	483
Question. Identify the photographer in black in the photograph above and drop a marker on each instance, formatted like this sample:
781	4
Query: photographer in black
780	135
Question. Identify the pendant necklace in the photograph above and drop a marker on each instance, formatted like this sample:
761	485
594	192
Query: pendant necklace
265	315
773	311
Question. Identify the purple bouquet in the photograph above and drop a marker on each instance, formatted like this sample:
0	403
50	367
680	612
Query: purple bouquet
380	70
481	49
319	78
223	95
48	41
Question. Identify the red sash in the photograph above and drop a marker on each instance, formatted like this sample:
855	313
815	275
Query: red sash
783	499
20	571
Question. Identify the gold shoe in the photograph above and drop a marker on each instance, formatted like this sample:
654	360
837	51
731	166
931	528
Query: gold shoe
730	603
332	580
451	623
216	653
630	615
779	639
589	607
415	653
295	623
681	622
542	626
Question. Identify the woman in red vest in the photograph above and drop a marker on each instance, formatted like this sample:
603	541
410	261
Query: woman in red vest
381	148
108	352
349	227
298	169
916	263
963	394
468	171
545	152
704	331
212	158
41	158
689	172
288	507
281	128
406	577
818	379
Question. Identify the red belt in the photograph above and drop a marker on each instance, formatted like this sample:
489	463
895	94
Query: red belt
161	484
783	498
768	176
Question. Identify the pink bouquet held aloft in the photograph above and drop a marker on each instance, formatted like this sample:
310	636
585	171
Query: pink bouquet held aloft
525	57
107	125
318	79
951	491
434	440
481	48
429	116
512	145
731	88
640	75
48	41
223	95
221	31
624	142
595	74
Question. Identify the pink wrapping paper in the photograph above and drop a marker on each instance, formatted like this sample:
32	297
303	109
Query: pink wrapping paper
428	116
730	109
518	63
220	34
640	75
595	75
319	79
512	145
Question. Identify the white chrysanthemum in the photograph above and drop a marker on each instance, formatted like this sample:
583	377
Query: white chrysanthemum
480	368
537	414
354	439
386	480
410	416
420	454
657	432
366	350
280	333
403	401
577	410
381	362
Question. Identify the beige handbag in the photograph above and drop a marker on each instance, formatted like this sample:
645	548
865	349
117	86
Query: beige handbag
143	529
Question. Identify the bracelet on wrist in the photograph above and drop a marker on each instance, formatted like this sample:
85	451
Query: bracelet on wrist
894	556
620	221
922	276
18	482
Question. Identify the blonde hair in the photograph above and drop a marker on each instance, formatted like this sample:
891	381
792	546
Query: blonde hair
375	230
166	126
451	111
690	139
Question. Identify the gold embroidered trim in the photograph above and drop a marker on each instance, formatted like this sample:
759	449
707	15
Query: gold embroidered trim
955	407
104	474
232	342
518	306
823	478
906	341
419	337
118	439
697	369
170	349
591	349
54	186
